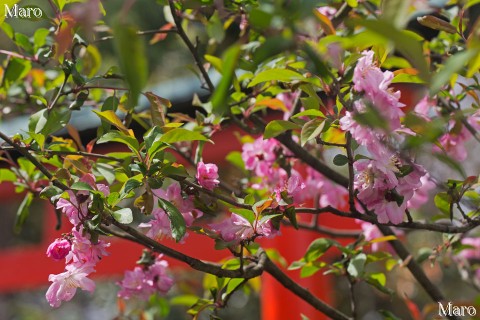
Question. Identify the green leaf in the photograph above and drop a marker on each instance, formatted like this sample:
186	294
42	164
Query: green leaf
356	265
124	215
352	3
110	117
284	75
39	38
404	42
132	184
177	222
184	300
453	65
80	185
311	130
117	136
47	122
317	248
245	213
180	134
378	280
276	127
7	175
130	49
49	192
16	70
215	28
219	97
340	160
310	113
442	201
23	212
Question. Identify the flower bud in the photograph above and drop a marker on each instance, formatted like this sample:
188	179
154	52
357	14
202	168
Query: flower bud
58	249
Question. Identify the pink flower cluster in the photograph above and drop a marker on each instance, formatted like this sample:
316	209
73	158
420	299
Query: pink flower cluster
236	228
374	84
260	157
80	253
385	183
207	175
159	226
144	281
453	142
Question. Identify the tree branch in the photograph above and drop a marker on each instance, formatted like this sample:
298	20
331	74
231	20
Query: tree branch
191	47
131	234
303	293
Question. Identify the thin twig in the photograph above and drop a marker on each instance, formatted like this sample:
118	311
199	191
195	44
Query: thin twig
191	47
351	189
131	234
332	232
141	33
18	55
23	151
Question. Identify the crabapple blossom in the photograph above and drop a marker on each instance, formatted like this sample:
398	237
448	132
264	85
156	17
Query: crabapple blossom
259	156
236	228
328	193
144	281
384	188
159	226
76	207
293	186
84	251
374	83
474	251
65	285
59	249
207	175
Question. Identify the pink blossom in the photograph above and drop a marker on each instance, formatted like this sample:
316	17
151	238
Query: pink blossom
132	285
374	84
184	204
64	285
143	282
84	251
384	188
470	253
327	11
328	193
159	226
58	249
76	207
454	144
424	107
236	228
207	175
259	156
294	187
420	196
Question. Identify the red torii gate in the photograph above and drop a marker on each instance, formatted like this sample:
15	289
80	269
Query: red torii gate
27	267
